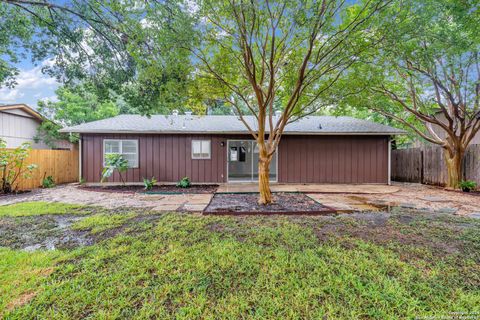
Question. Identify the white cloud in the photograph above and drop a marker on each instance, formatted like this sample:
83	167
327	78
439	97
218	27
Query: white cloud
52	98
32	85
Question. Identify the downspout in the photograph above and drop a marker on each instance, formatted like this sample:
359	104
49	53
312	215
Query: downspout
389	160
80	159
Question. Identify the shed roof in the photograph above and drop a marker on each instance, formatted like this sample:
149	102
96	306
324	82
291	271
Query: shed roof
212	124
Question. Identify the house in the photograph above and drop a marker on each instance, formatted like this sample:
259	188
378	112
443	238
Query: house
441	133
219	149
19	123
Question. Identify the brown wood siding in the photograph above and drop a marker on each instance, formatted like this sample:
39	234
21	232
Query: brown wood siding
301	159
166	157
333	159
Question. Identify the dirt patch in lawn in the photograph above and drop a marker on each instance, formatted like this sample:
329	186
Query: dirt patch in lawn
132	227
247	203
442	234
49	232
45	232
167	189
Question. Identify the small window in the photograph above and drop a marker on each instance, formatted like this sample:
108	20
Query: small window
200	149
127	148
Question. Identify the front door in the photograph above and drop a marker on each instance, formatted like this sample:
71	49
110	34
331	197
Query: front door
243	161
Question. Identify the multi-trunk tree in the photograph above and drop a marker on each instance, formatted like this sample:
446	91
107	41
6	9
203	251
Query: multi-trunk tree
426	74
268	56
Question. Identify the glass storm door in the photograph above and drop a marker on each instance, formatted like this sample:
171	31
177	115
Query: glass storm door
243	161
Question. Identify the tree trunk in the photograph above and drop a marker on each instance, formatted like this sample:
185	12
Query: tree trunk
454	167
264	179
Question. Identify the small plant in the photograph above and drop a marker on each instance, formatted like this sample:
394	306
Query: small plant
48	182
12	166
114	161
82	180
468	185
184	183
149	184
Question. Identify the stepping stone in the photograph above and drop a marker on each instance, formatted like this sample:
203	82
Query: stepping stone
194	207
447	210
434	199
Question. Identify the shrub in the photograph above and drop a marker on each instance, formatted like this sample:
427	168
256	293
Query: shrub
467	185
149	184
48	182
12	166
184	183
114	161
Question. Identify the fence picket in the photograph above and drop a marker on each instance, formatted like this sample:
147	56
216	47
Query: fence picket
61	164
427	165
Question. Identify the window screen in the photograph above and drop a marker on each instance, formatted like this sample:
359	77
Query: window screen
201	149
127	148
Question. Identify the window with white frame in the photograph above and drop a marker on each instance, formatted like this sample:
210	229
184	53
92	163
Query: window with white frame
127	148
201	149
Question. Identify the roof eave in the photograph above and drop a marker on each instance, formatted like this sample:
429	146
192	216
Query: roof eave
366	133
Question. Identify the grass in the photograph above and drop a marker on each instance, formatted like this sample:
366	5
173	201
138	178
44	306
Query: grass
102	222
202	267
25	209
21	273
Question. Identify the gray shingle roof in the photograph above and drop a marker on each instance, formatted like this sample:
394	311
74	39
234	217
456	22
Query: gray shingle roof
228	124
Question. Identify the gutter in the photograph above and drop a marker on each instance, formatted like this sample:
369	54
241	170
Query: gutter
366	133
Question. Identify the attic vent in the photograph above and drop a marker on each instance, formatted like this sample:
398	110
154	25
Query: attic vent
320	126
175	112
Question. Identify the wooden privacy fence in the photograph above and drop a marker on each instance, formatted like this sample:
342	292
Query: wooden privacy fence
427	165
62	165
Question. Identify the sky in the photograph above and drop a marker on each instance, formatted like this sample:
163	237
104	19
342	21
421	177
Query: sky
32	85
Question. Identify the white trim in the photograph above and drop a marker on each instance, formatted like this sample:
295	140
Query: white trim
389	160
121	150
201	149
251	180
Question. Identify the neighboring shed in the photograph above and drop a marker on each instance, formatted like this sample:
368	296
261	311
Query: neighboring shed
19	123
216	149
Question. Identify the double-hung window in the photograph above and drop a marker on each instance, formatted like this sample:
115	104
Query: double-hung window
201	149
127	148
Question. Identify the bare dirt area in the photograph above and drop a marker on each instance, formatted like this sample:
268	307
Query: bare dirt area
47	232
167	189
410	232
247	203
51	232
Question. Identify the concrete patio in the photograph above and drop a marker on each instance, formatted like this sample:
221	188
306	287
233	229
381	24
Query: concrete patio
312	188
344	198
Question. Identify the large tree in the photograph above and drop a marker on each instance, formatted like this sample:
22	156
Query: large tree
426	74
126	47
266	56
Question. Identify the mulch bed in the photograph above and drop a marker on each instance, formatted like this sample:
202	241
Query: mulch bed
196	188
247	203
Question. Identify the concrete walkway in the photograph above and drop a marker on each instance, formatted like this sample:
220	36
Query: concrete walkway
312	188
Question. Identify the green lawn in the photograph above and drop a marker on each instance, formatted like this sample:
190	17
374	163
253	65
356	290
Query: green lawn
26	209
194	267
